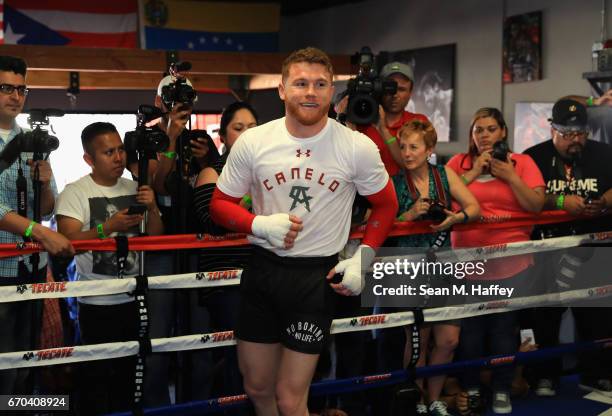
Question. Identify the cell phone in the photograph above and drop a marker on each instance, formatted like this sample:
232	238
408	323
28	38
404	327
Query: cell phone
137	209
527	334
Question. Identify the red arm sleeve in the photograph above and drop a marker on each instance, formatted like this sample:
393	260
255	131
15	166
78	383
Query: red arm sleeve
226	211
384	207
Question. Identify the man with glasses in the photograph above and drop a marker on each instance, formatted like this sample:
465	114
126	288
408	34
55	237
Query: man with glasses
20	321
578	175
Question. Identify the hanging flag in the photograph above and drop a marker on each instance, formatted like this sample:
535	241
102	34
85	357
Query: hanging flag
1	22
108	24
209	26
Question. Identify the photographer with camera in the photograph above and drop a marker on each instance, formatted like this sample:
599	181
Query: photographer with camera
193	150
578	177
375	106
425	192
504	184
20	320
175	96
103	204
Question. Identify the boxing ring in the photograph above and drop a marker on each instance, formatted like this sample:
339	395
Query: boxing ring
144	346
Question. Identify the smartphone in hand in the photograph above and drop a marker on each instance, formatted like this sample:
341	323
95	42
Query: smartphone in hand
137	209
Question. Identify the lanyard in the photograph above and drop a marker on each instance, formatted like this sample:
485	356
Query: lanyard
414	193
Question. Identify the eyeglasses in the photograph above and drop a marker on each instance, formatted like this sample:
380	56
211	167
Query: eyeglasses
8	89
571	135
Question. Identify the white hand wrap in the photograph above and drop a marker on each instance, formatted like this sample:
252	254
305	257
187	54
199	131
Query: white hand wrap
353	276
273	228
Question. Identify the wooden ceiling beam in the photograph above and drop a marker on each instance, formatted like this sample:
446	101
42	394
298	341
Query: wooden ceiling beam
106	60
118	81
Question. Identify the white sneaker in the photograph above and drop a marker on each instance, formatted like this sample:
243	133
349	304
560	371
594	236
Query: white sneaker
438	408
421	410
545	388
501	403
601	386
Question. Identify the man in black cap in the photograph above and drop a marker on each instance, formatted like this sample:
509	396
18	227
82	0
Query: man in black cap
578	176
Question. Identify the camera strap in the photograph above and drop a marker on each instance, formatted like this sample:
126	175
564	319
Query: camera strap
414	193
442	236
22	191
144	342
121	253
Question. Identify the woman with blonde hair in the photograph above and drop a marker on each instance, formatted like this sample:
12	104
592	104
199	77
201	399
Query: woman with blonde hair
425	191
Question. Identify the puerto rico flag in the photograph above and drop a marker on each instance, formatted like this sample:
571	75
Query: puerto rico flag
107	24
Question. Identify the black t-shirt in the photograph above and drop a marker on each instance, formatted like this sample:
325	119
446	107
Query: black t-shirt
591	176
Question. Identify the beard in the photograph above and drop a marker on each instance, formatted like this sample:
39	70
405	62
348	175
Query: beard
574	152
306	116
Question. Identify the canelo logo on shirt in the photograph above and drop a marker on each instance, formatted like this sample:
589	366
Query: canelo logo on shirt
299	195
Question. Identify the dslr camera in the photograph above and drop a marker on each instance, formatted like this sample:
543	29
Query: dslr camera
146	139
436	210
366	90
179	91
37	141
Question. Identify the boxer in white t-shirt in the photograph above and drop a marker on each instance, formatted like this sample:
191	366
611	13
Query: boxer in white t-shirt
302	172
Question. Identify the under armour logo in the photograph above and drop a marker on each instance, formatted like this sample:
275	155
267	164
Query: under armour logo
353	322
300	153
28	356
299	195
21	289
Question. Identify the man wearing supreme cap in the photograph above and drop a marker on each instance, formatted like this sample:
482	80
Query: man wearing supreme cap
578	176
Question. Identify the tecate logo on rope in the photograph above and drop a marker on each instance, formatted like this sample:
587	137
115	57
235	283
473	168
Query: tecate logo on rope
369	320
502	360
375	378
223	275
217	337
232	399
602	236
49	287
49	354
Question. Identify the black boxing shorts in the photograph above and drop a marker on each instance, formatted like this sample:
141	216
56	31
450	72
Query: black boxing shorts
286	300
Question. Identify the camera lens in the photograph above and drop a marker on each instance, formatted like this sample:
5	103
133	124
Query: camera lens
362	109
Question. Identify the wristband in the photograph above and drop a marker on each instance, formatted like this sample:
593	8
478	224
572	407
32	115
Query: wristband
100	229
391	140
589	102
28	231
464	180
169	155
402	217
560	201
465	216
247	200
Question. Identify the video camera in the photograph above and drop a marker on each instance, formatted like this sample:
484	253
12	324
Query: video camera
37	141
178	91
146	138
366	90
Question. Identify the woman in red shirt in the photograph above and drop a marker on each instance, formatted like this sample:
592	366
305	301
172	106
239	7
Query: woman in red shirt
504	184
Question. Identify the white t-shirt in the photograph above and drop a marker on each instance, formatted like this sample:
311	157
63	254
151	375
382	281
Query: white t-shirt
92	204
315	178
